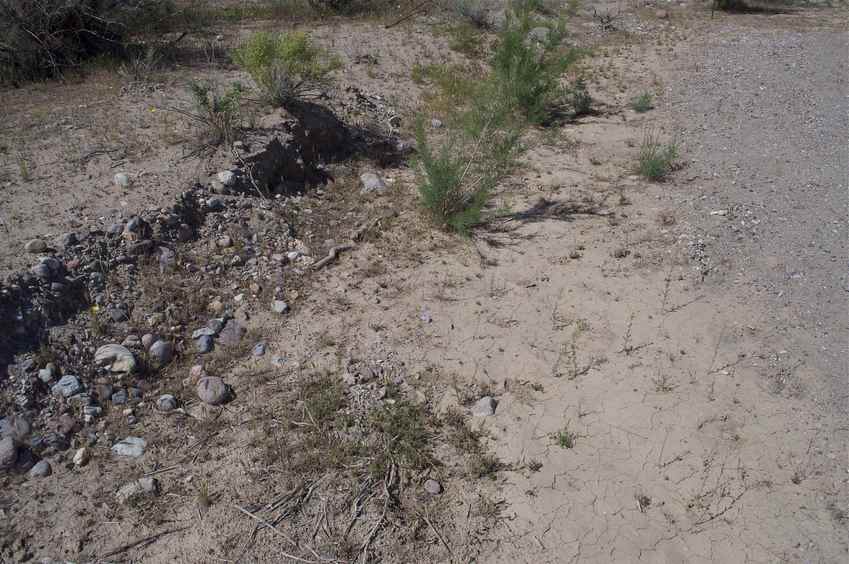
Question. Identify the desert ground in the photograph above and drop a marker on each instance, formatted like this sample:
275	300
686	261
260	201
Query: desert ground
609	369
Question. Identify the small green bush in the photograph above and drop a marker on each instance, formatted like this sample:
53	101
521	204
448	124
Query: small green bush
579	98
656	160
642	103
527	67
218	113
458	179
286	66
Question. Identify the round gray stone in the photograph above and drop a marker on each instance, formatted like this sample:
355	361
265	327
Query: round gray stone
213	391
433	487
132	447
161	352
41	469
204	344
166	402
484	407
35	246
67	386
371	182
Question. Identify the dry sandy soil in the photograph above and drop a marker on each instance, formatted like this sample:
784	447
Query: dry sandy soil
670	370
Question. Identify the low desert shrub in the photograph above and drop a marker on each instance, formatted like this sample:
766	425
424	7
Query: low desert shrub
286	66
216	112
656	160
642	103
458	179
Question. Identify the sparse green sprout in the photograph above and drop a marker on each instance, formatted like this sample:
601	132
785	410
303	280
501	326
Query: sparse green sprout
219	113
642	103
286	66
656	160
565	438
484	465
580	99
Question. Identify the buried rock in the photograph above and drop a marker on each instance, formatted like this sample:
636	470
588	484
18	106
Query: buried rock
140	487
132	447
212	390
232	333
116	358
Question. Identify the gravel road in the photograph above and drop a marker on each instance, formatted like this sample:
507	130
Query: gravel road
763	115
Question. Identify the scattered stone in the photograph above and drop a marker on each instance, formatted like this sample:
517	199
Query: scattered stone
215	204
484	407
161	353
425	315
279	306
213	391
115	357
293	255
81	457
119	397
278	361
661	14
204	332
259	349
231	334
131	446
148	339
67	386
205	344
91	412
68	240
41	469
47	373
140	487
166	402
8	453
67	425
216	324
371	183
224	242
184	233
196	373
117	314
215	307
134	394
131	341
538	34
48	268
36	246
16	427
433	487
226	177
121	180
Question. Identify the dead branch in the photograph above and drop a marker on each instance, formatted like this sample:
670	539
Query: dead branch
141	542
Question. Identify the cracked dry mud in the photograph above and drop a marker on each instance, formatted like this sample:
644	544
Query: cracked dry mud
696	361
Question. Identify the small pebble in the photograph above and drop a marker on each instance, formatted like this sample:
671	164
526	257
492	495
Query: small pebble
484	407
41	469
36	246
81	457
121	180
166	402
433	487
